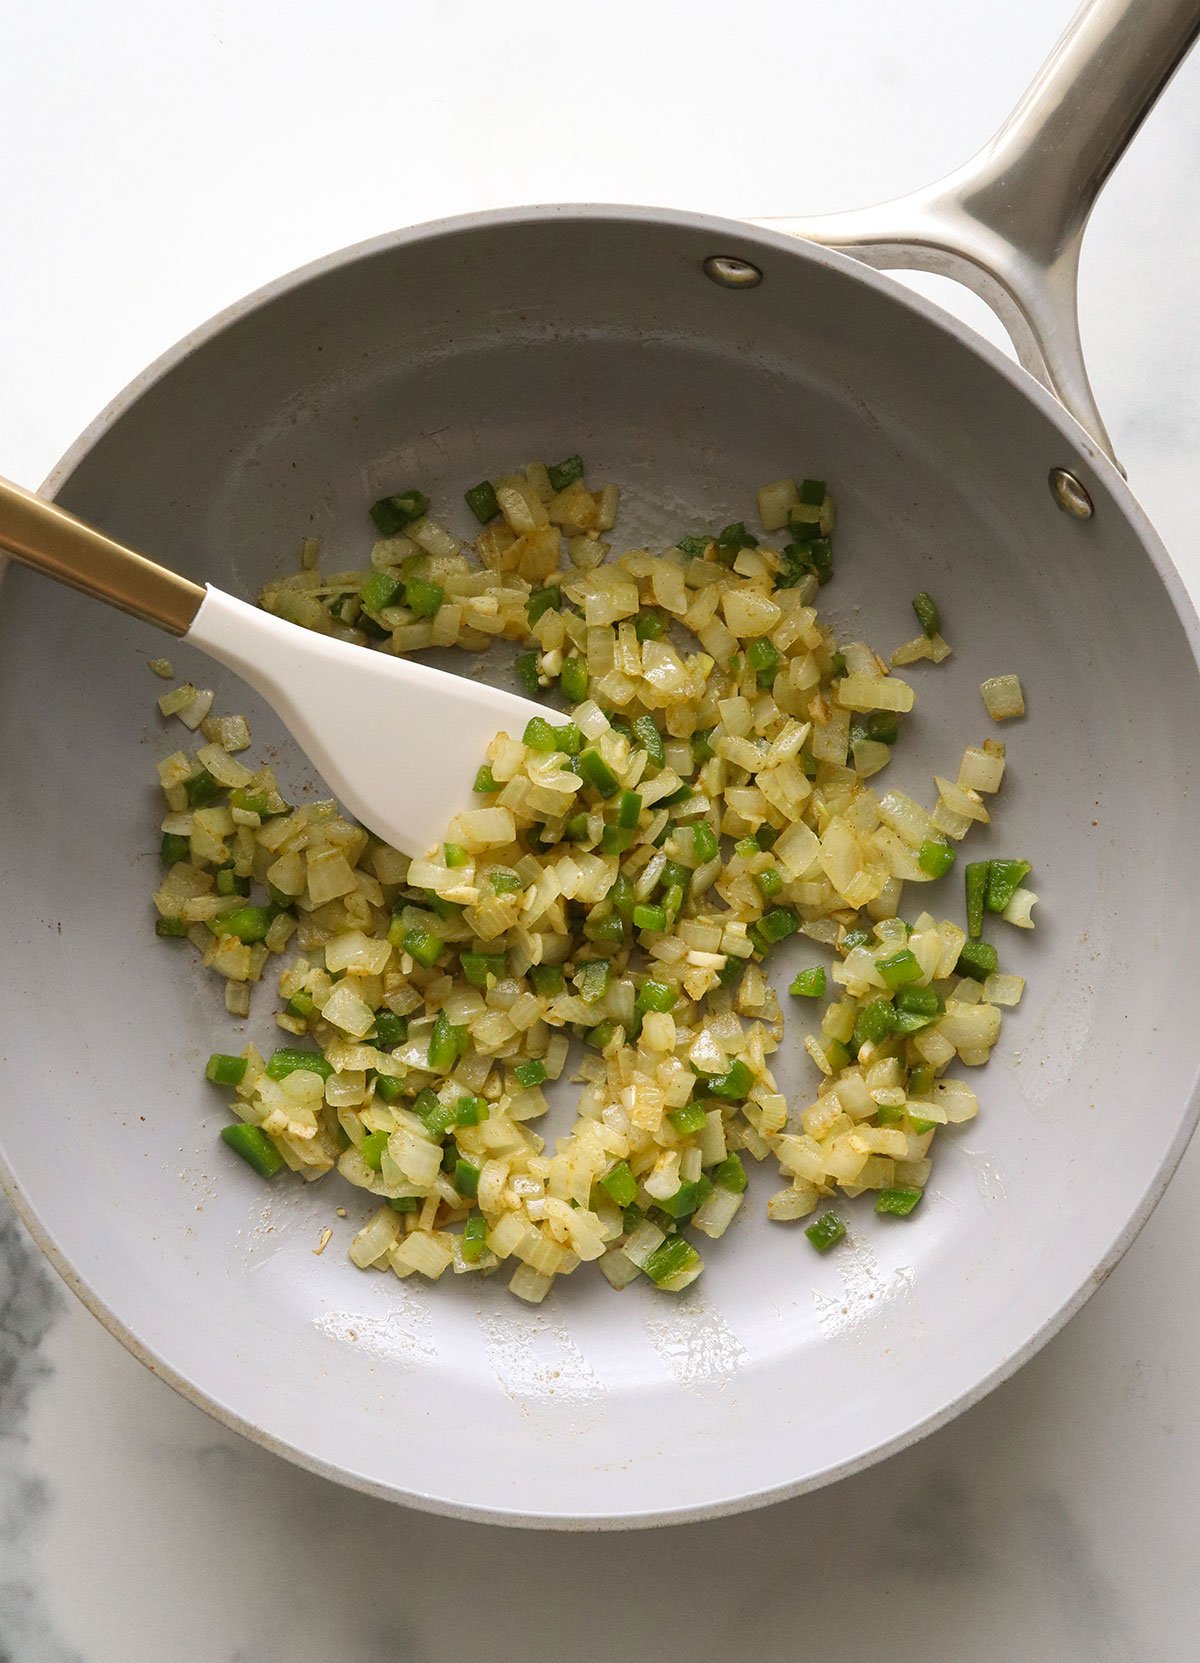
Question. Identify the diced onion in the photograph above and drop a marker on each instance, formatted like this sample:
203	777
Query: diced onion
1019	910
1003	697
1004	990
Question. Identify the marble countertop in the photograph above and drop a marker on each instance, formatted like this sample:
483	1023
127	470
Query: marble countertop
157	161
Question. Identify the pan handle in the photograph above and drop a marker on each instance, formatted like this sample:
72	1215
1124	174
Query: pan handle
1009	223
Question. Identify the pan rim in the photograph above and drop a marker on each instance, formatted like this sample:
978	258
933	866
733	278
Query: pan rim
749	237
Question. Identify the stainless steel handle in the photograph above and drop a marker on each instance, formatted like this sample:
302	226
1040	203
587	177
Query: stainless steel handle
39	534
1009	223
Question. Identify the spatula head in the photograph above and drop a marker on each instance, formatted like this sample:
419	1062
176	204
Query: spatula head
398	743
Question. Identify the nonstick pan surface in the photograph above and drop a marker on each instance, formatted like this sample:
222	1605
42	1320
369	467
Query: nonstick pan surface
440	355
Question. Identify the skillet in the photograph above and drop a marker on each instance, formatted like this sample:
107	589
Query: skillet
690	359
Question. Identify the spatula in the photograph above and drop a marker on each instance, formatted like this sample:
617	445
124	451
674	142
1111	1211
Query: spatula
397	742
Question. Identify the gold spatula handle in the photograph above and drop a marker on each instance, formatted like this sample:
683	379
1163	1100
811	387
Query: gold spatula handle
52	541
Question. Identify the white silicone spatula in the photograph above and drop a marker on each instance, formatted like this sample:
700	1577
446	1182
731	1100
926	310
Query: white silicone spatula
398	743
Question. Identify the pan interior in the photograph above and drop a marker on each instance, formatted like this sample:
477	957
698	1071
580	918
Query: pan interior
438	360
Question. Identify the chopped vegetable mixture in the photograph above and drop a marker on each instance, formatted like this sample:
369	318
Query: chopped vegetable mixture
698	793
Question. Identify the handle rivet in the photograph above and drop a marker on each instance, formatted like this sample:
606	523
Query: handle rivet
1071	494
728	272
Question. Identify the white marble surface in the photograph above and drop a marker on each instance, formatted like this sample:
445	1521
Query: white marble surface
155	162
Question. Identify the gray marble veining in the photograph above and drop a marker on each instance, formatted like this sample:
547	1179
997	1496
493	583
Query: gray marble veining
31	1301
